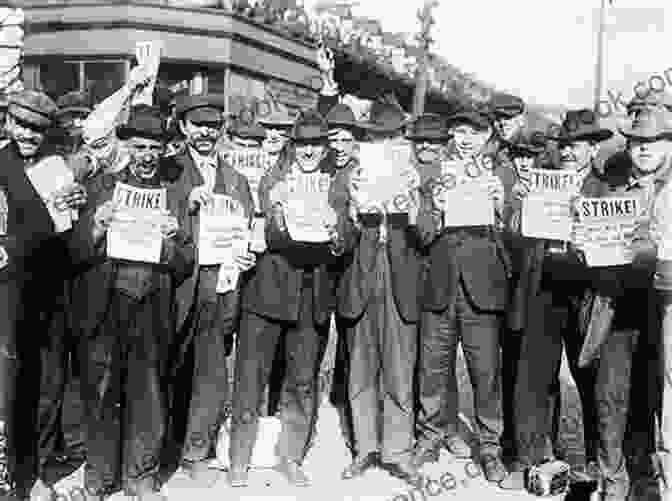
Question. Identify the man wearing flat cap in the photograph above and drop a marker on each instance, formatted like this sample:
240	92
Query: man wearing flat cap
207	319
551	284
33	266
465	293
128	325
290	296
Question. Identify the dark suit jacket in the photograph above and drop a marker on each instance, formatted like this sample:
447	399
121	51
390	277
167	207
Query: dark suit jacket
229	182
276	287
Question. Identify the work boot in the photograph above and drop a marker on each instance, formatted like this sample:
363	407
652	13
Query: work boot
294	473
238	476
360	465
515	480
457	447
406	471
493	468
426	451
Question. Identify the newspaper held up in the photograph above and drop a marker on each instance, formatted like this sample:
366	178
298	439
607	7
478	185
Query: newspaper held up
148	55
308	213
605	230
223	231
464	199
547	209
385	178
252	163
135	233
49	177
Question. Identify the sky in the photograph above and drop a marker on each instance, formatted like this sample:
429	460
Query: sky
544	50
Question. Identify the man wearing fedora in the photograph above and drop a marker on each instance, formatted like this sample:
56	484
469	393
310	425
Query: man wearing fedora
429	136
551	283
378	300
464	295
290	296
34	267
128	327
207	320
634	329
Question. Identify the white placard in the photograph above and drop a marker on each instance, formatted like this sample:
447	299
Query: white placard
223	229
148	55
547	216
468	204
49	176
251	163
308	214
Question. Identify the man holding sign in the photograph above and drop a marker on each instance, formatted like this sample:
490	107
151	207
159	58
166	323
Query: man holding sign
127	322
218	212
465	294
551	283
290	295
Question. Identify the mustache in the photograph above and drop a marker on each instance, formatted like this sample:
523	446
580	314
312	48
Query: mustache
29	140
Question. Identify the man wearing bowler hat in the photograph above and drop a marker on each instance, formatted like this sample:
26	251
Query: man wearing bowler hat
290	296
33	265
128	327
552	280
206	319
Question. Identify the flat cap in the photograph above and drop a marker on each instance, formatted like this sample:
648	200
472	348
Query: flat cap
247	130
200	108
73	103
428	127
476	116
310	126
506	105
32	107
144	121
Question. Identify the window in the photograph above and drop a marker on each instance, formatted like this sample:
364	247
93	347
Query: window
103	78
57	77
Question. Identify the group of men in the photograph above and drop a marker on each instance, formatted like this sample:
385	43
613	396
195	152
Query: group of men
404	286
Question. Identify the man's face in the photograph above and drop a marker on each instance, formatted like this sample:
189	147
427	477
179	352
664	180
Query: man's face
275	140
508	128
577	155
344	145
470	140
72	124
202	136
649	156
523	163
27	137
145	154
427	152
309	154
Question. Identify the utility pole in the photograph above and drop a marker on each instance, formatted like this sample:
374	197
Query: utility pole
424	38
601	47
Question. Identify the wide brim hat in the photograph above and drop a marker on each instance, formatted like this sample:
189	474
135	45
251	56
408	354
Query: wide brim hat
506	105
72	104
649	126
341	116
201	108
479	118
310	126
144	121
277	119
428	127
248	131
385	118
581	125
32	107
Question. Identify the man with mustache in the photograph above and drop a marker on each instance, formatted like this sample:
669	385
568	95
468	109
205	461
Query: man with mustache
34	264
129	323
465	293
207	320
290	296
552	281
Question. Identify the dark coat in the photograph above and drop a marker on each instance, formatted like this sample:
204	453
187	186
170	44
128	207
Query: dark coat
477	257
98	274
274	291
229	182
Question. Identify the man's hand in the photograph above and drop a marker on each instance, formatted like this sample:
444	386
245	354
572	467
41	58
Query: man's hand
169	228
4	257
138	78
103	218
495	190
278	215
279	193
73	196
520	190
200	195
325	61
245	261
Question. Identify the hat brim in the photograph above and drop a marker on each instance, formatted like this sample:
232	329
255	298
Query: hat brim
527	150
72	110
476	119
597	136
506	114
29	116
280	124
631	133
125	132
429	137
358	130
310	137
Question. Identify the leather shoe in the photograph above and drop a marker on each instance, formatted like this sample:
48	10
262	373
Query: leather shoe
426	453
238	477
457	447
359	466
294	473
493	468
407	472
201	473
